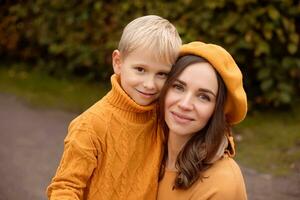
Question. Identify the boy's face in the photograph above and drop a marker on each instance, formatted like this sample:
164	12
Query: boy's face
142	76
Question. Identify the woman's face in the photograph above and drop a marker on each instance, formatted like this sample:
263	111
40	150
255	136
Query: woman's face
190	101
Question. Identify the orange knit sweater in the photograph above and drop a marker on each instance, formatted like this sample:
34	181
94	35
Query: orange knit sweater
223	181
112	151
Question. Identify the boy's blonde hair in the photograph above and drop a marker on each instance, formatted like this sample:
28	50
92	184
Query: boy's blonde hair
153	34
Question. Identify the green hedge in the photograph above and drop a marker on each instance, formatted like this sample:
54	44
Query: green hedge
77	37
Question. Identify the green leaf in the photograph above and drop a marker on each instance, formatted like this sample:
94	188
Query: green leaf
56	48
288	24
268	30
273	13
229	39
285	97
262	48
263	73
288	62
280	35
294	38
266	84
292	48
97	6
285	87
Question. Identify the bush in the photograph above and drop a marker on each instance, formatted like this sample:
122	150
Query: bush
262	36
77	37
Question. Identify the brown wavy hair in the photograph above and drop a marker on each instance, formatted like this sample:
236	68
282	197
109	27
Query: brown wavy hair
194	158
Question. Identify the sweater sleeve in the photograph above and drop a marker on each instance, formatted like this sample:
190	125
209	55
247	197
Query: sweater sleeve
78	161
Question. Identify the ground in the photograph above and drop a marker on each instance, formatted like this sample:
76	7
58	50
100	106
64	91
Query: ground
32	142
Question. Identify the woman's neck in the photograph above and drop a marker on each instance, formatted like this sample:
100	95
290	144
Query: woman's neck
175	144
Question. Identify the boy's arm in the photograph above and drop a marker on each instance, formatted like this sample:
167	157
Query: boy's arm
76	167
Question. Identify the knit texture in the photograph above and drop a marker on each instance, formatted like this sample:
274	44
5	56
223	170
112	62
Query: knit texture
223	180
224	64
112	151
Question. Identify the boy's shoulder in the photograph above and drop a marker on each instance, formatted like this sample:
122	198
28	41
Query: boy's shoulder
97	112
99	109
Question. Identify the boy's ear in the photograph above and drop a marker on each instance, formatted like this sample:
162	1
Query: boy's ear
116	61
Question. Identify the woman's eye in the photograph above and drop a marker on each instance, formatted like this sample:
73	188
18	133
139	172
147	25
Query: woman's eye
178	87
204	97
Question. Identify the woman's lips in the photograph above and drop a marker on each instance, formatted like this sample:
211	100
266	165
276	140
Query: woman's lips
181	118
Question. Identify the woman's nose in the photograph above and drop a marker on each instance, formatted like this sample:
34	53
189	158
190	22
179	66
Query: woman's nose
185	102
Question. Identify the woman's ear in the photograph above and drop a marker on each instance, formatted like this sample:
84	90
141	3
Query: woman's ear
116	61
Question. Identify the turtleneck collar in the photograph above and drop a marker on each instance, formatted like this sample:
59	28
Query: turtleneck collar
126	105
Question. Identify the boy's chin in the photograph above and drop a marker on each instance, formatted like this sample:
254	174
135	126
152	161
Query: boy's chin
142	102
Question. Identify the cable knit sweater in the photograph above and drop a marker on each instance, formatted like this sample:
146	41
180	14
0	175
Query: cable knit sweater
112	151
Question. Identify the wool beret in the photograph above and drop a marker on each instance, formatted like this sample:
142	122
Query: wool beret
236	100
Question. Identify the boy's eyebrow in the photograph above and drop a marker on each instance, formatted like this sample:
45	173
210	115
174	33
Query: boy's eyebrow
140	64
165	71
145	65
200	89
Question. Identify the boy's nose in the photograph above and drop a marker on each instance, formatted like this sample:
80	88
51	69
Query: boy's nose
149	83
185	102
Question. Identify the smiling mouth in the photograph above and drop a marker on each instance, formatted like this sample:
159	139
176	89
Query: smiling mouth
181	118
146	94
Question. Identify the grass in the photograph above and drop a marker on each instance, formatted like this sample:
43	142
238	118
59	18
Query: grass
41	90
267	141
270	141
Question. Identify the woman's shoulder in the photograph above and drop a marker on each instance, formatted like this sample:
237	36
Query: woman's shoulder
227	168
223	180
226	161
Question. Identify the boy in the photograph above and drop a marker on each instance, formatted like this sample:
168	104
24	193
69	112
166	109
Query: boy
113	150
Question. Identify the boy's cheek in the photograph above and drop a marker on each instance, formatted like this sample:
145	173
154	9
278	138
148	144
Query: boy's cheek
161	84
158	94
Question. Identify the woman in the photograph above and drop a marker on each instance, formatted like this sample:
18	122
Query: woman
201	100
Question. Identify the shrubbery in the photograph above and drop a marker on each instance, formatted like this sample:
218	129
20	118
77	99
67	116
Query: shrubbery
77	37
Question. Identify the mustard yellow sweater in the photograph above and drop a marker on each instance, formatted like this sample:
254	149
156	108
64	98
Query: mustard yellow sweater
112	151
224	181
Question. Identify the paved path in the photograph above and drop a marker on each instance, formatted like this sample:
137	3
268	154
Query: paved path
32	142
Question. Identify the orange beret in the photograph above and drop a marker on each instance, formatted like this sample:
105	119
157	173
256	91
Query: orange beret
222	61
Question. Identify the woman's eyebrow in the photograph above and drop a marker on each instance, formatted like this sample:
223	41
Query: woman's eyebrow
200	89
181	82
207	91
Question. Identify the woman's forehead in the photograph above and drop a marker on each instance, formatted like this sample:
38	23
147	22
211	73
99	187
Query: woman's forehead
200	75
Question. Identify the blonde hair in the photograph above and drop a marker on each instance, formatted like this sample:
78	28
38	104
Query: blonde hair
153	34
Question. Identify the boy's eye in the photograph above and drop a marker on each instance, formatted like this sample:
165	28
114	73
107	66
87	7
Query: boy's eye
139	69
162	75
